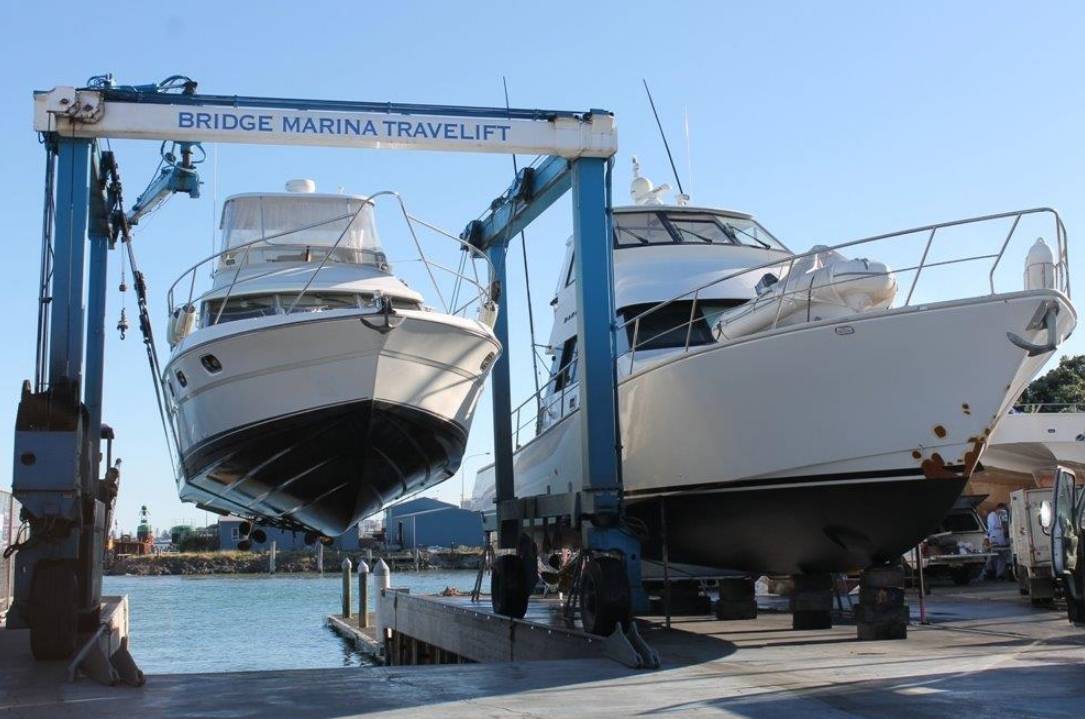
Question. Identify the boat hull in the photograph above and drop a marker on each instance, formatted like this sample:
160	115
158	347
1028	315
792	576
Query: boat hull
801	527
851	445
316	422
326	468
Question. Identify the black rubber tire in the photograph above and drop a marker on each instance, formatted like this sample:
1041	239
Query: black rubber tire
529	558
54	611
604	596
244	545
962	577
258	535
1075	611
1021	575
508	595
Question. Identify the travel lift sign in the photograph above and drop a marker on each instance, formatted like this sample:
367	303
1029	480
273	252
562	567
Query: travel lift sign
324	125
589	135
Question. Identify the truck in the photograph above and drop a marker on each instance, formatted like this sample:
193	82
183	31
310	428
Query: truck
1063	517
957	549
1031	547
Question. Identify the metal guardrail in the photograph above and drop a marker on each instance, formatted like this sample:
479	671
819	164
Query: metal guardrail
555	406
784	268
1048	407
248	254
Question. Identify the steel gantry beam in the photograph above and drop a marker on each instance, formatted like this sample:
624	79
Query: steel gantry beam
142	114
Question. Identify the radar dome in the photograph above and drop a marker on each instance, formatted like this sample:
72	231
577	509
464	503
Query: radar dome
300	186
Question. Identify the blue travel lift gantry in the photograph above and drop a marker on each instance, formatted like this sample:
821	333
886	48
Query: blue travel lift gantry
66	500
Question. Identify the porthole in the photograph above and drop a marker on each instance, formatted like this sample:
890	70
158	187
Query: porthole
211	363
181	379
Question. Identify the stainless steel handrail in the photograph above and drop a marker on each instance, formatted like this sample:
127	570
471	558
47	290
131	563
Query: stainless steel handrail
483	291
638	344
1048	407
1062	265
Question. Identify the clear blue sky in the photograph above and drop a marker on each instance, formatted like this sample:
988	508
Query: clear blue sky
828	121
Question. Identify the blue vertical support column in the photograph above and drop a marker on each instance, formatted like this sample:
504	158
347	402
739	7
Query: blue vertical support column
501	393
600	438
97	277
69	243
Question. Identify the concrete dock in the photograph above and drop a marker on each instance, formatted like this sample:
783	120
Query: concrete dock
986	653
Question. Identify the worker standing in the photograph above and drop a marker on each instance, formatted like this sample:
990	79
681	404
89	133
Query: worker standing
998	538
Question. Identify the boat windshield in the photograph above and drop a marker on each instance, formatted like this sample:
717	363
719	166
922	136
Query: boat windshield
634	229
300	228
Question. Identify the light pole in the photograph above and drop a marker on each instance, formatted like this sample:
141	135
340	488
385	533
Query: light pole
463	474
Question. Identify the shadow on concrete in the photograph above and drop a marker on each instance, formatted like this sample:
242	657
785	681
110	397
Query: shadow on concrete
1011	692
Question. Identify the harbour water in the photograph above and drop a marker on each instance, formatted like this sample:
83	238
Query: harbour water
189	624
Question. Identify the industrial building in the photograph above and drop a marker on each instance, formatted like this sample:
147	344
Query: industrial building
229	532
426	522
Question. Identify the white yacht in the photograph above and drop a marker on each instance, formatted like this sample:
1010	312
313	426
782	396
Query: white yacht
1026	447
795	413
309	385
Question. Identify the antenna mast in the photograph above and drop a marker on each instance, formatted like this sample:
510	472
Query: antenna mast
663	135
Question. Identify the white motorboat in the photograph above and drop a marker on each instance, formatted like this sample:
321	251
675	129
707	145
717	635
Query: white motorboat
1032	439
1026	447
797	413
309	385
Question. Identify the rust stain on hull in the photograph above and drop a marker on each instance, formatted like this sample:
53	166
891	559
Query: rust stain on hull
935	468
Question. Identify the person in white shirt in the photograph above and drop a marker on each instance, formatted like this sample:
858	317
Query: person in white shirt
998	536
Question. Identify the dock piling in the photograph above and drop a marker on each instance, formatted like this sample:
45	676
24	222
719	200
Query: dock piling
363	594
383	575
346	587
272	557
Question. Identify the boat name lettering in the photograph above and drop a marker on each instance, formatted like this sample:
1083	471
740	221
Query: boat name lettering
347	126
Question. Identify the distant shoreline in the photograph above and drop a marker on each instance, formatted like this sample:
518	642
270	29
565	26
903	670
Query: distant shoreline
303	561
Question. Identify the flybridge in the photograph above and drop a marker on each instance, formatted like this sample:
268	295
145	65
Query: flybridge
134	114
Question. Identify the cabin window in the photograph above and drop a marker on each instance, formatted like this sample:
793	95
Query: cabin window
571	274
250	306
637	229
566	367
705	230
319	302
632	229
239	308
668	326
961	522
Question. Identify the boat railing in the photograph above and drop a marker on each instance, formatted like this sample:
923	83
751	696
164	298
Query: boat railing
1047	407
556	397
639	341
552	401
469	291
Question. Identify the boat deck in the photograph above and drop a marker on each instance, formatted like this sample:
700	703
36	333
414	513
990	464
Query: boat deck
986	651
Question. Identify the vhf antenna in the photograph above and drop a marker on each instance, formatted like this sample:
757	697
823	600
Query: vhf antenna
663	135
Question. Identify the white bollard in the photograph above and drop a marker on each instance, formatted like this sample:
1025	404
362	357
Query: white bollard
346	588
382	581
383	575
363	594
